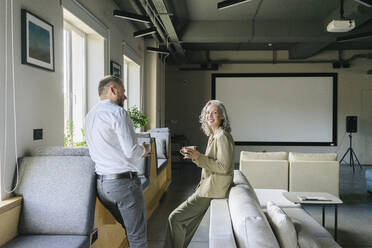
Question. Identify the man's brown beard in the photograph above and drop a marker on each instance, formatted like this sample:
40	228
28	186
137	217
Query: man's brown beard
120	102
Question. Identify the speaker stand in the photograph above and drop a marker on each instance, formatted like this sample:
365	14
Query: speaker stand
352	155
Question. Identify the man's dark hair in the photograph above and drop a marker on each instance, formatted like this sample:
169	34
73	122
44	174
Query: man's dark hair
110	79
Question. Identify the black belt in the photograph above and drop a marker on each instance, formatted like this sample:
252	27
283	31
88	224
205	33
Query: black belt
128	174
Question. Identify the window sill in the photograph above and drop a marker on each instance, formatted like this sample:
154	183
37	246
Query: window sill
10	203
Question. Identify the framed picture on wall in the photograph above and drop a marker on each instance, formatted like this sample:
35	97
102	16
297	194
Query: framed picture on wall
115	69
37	41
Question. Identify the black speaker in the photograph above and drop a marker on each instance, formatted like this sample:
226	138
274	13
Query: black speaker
351	124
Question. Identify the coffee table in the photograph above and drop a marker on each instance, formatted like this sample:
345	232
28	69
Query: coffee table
331	200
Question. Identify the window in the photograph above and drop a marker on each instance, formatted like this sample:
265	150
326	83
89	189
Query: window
132	83
74	81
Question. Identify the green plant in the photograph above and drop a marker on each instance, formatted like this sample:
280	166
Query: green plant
81	143
139	120
69	136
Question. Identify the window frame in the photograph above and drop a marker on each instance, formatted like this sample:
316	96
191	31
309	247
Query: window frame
67	26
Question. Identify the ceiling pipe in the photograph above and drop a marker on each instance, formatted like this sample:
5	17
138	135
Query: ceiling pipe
153	19
161	8
159	30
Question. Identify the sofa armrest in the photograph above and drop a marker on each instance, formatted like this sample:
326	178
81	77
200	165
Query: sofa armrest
220	231
9	217
266	174
314	176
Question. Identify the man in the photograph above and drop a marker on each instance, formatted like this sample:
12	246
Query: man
113	147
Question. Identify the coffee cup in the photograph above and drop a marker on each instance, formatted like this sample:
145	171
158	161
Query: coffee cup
184	151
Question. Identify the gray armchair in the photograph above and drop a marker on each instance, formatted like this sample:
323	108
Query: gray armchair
59	196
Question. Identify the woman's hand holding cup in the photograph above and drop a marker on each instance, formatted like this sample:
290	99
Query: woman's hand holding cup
190	152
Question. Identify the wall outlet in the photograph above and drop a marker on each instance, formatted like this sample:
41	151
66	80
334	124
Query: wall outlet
38	134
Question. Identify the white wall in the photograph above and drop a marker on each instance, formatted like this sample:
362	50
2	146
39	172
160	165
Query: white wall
188	91
150	86
2	85
39	93
154	88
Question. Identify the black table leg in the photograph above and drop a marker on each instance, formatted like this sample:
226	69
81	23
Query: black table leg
323	215
335	222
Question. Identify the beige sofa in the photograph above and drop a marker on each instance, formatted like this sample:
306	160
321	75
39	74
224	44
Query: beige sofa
265	170
241	220
312	172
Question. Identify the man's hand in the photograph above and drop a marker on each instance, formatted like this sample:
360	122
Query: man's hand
147	147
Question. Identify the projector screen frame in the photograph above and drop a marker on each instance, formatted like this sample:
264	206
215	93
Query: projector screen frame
275	143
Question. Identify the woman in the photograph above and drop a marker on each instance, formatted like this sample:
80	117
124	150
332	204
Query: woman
217	175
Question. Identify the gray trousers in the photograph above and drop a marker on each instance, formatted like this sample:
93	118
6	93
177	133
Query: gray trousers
184	221
125	200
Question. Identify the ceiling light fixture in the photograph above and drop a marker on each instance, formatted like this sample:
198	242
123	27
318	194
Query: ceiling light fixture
157	50
131	16
341	25
144	32
230	3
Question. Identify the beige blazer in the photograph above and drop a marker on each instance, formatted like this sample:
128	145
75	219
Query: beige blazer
217	166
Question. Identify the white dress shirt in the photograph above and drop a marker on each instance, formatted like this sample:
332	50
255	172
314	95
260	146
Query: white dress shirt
111	139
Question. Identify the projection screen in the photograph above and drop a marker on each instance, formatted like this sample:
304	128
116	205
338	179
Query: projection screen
280	108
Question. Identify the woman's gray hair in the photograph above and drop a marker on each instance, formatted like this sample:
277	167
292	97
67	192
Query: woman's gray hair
225	123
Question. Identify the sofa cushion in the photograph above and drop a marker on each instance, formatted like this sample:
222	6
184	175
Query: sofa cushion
144	181
48	241
160	136
242	181
282	225
60	151
299	215
220	231
245	155
276	196
304	238
162	162
266	174
58	195
239	178
160	130
295	156
310	225
161	151
250	225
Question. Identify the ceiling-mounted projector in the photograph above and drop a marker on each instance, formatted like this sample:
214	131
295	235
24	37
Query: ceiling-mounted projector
338	26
